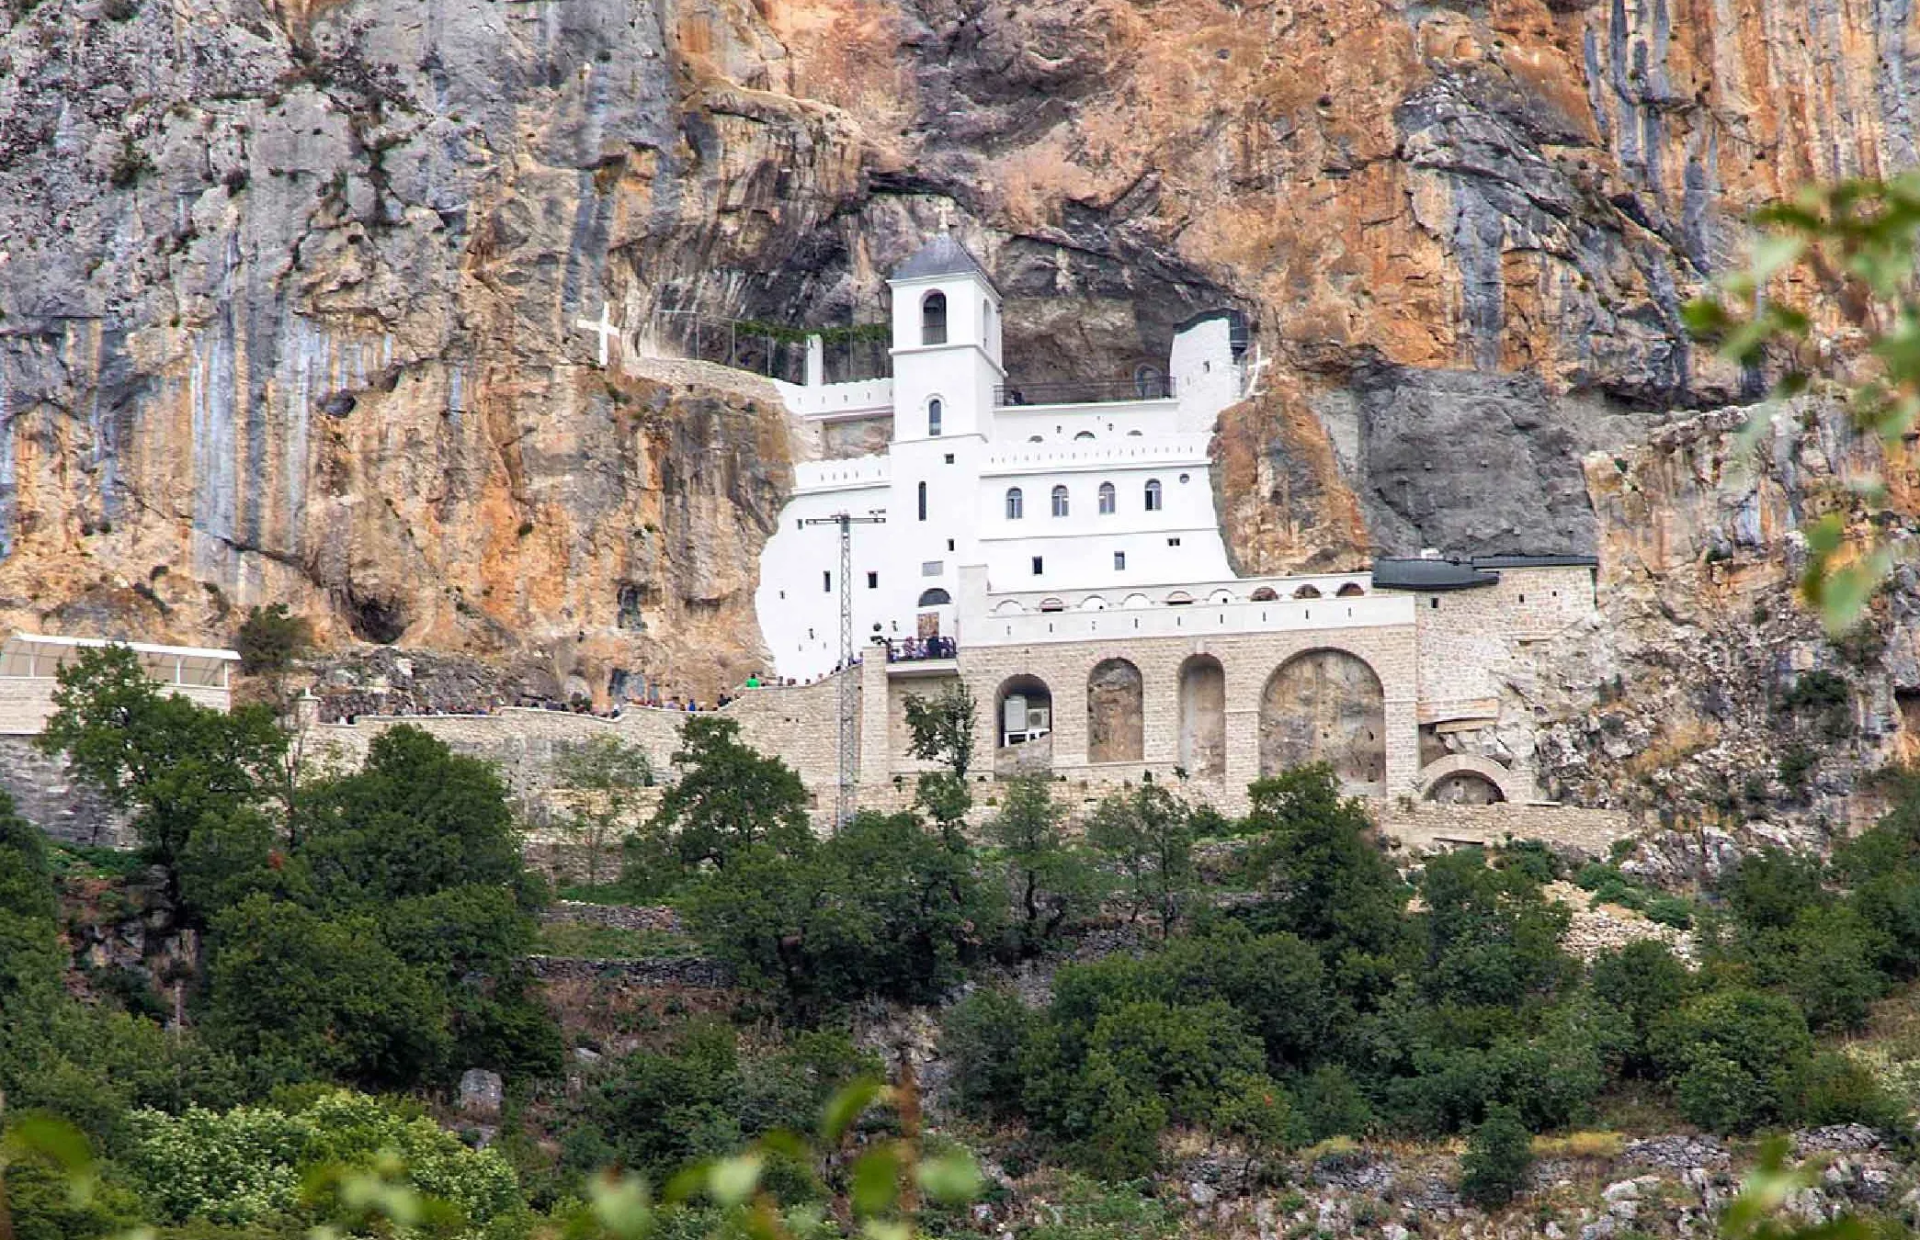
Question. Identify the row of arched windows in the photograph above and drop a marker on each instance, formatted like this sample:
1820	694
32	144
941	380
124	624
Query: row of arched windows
1153	495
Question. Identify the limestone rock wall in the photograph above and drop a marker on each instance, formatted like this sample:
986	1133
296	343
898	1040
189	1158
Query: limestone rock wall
289	290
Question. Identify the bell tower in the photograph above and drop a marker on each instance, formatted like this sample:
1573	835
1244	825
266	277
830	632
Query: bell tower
946	344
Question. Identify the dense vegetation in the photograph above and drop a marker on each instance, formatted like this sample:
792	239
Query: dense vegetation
366	931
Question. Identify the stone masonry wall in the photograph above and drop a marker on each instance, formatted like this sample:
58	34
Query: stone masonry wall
46	794
1249	661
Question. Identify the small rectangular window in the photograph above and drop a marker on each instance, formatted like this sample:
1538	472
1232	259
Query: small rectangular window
873	581
1173	542
826	581
1037	565
1119	561
932	568
1434	603
949	458
949	544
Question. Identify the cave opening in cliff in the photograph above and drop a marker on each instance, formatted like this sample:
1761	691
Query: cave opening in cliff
378	620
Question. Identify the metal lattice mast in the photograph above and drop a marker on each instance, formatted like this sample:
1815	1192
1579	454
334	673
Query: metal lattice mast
849	682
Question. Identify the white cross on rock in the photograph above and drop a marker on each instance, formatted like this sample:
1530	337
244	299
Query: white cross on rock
602	327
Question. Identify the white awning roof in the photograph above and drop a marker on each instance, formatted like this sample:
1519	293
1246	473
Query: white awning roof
31	654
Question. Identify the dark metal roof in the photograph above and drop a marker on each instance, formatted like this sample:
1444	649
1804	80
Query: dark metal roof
942	256
1536	561
1468	574
1429	575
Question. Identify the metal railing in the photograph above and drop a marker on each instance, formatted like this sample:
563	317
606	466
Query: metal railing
734	343
1084	391
918	649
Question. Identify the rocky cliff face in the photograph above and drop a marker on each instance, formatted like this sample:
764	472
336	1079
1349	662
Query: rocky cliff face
289	289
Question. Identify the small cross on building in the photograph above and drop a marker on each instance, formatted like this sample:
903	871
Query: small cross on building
602	327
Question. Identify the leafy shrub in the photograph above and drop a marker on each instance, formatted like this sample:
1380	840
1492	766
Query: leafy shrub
1499	1154
1731	1054
981	1038
1769	888
1327	1103
247	1165
1831	1088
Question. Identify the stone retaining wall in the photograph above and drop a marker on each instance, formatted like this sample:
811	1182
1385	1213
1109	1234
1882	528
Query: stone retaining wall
1423	825
622	916
693	972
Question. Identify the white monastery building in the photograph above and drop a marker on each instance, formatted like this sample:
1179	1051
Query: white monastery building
1063	557
1112	497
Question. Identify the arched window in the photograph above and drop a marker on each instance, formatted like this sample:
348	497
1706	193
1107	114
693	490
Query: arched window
1107	497
1153	495
1354	589
1016	504
1307	591
935	597
923	501
1059	501
933	318
1084	435
933	417
1134	434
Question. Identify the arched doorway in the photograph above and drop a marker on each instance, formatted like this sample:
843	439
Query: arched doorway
1326	706
1023	726
1116	727
1203	717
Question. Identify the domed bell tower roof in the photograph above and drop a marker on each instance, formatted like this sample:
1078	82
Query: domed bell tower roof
942	256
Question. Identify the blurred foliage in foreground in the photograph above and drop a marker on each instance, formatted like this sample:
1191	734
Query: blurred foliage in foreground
1852	244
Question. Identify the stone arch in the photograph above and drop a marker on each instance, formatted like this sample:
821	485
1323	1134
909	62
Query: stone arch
1467	779
1116	722
1265	594
1307	591
1203	717
1028	702
1352	589
1326	705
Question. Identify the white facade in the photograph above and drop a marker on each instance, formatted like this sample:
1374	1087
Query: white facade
1087	496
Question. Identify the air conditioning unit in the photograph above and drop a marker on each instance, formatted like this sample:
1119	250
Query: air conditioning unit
1038	719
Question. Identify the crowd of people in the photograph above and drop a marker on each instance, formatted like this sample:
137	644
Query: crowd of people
903	650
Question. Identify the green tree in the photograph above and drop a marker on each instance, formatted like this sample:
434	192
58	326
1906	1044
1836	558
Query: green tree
883	908
1051	882
173	763
414	820
981	1039
606	776
1492	937
287	984
30	958
270	640
1327	882
1148	835
1769	888
1498	1157
728	799
1642	981
1731	1055
940	729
